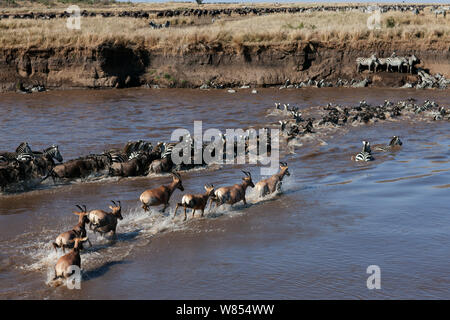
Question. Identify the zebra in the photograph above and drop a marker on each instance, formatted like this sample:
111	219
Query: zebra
52	152
137	146
394	61
412	60
395	141
167	149
24	147
368	62
119	157
44	161
365	154
297	116
24	152
440	11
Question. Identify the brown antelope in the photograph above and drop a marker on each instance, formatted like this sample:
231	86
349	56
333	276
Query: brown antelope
272	184
233	194
195	201
105	222
161	195
70	259
65	239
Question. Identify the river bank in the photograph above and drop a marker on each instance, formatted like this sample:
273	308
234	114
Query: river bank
118	66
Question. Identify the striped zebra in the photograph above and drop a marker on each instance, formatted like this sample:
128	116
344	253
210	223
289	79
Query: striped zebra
44	161
412	60
367	62
134	155
137	146
382	63
24	152
24	147
394	61
395	141
166	150
52	152
365	154
440	11
119	157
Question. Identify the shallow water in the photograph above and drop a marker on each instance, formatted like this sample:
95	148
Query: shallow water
315	240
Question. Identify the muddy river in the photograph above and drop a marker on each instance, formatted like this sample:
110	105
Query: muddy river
315	240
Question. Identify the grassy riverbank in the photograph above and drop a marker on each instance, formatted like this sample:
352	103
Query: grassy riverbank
233	30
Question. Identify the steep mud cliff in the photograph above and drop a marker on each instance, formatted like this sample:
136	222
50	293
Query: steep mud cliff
109	65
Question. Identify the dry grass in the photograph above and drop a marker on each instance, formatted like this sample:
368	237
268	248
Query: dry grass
235	31
22	6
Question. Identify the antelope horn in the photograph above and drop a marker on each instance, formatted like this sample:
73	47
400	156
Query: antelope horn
246	173
176	174
84	206
119	203
79	207
114	203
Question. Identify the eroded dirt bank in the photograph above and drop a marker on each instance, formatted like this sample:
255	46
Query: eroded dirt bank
109	65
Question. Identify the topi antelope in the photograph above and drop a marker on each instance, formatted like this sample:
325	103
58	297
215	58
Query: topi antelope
272	184
161	195
66	239
233	194
195	201
70	259
105	222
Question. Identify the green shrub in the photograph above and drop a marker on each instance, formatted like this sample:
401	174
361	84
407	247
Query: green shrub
390	22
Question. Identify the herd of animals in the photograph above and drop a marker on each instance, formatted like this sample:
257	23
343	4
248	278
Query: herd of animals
335	116
401	64
25	168
141	157
373	63
242	11
104	222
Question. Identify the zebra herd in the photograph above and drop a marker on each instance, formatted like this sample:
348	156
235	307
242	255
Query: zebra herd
303	124
24	153
25	169
26	165
159	26
373	63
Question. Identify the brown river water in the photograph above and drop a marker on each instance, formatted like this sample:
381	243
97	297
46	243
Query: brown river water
333	219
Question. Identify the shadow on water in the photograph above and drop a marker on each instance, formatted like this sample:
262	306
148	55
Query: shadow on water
102	270
113	240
